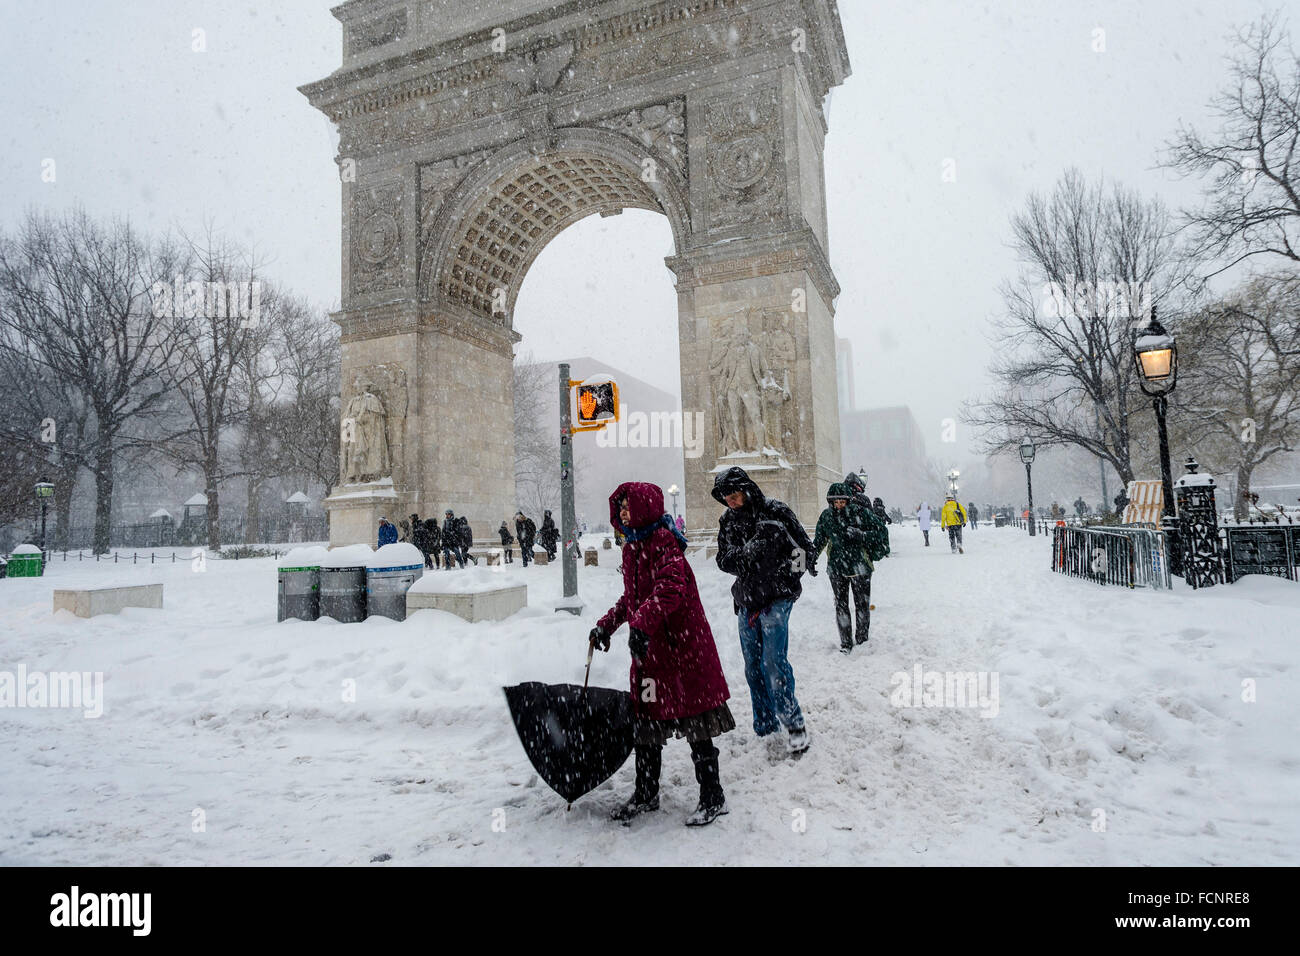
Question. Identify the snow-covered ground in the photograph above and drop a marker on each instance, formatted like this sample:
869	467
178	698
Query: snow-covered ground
1122	708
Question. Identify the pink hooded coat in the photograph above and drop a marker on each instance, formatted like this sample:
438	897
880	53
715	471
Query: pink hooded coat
660	597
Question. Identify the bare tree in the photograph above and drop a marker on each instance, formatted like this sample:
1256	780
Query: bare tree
1252	200
1241	369
76	295
304	420
537	454
213	325
1095	262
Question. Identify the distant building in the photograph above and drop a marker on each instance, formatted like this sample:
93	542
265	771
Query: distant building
844	373
886	443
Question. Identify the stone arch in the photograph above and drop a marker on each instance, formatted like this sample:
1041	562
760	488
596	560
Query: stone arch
514	202
470	135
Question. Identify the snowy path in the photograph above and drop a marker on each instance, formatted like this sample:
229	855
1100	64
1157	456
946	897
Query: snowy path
1124	702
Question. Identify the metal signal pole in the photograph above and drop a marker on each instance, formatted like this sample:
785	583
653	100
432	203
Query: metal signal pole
567	511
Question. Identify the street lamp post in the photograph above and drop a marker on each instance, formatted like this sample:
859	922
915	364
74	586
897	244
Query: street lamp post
674	491
44	494
952	481
1027	451
1156	355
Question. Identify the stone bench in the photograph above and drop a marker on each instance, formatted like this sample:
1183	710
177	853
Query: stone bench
88	602
494	604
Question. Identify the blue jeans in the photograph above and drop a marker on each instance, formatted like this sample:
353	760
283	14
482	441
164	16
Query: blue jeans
771	681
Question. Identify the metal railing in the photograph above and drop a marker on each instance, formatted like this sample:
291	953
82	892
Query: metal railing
1123	557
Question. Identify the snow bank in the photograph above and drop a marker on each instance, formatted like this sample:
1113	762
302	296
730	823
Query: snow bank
400	554
468	580
309	557
348	556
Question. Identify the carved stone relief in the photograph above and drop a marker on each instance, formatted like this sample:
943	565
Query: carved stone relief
746	168
376	238
660	128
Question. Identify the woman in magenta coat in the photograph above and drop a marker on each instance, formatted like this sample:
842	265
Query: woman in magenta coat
678	688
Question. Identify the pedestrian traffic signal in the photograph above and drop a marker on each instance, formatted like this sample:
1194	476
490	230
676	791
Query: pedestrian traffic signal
597	403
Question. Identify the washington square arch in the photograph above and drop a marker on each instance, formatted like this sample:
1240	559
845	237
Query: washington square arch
472	133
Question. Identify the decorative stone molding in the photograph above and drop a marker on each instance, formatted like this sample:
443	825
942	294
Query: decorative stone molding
748	258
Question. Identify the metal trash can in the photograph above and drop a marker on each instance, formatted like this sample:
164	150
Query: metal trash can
299	586
343	583
999	521
26	562
343	594
390	572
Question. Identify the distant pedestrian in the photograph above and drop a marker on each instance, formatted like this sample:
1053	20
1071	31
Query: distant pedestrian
678	687
466	540
923	519
852	534
681	524
548	535
420	538
974	514
451	555
878	507
433	535
507	539
526	529
953	519
387	532
761	542
858	488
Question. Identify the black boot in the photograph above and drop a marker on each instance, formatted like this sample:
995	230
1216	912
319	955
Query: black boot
646	796
713	802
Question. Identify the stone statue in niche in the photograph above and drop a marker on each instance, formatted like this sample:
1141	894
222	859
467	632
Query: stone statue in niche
364	440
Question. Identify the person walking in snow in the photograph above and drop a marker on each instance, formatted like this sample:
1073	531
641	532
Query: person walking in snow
953	519
548	535
923	520
851	532
451	541
681	524
526	529
433	535
974	514
387	532
507	539
858	488
466	541
420	538
763	544
678	687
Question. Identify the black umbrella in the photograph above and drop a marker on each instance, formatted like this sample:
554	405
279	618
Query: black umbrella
575	737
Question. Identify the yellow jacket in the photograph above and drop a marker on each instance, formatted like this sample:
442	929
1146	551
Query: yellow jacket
953	515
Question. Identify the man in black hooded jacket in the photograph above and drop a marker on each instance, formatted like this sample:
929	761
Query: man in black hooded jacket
761	542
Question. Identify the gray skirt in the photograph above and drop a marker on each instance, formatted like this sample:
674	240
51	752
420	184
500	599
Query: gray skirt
712	723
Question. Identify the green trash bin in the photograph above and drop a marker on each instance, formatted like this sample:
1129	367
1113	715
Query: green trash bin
26	562
299	584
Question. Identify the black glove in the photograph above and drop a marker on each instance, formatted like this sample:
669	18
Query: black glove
599	637
856	535
812	568
638	642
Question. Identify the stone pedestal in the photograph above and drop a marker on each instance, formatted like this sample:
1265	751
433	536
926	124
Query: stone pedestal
495	604
355	511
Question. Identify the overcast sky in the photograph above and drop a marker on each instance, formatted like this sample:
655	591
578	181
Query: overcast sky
138	123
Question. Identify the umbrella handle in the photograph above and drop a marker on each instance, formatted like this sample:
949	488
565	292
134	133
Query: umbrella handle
591	649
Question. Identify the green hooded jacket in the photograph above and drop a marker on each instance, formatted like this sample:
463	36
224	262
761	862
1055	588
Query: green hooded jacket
848	532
